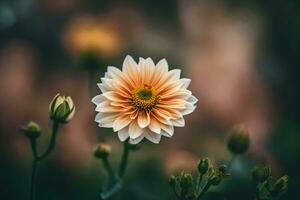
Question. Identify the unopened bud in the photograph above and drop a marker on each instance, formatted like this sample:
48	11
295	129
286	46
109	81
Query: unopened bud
261	173
102	151
215	178
238	141
61	109
172	181
203	166
281	185
186	181
32	130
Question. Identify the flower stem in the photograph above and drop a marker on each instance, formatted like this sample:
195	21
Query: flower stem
124	160
51	146
33	175
108	168
91	79
34	168
198	183
205	188
231	161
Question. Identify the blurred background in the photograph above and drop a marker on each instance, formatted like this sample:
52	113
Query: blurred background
242	57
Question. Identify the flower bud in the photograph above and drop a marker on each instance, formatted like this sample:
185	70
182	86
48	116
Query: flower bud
281	185
223	170
61	109
261	173
32	130
186	181
238	141
203	166
172	181
215	178
102	151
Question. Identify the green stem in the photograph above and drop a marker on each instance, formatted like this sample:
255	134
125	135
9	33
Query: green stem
108	168
124	160
206	187
51	146
91	80
34	168
199	181
232	160
33	175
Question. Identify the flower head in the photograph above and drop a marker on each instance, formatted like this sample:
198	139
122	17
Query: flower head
61	109
143	100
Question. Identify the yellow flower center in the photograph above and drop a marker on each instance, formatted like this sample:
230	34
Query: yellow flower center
144	98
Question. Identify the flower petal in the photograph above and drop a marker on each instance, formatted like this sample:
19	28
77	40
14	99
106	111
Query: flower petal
154	126
143	119
134	130
136	140
152	137
123	134
121	122
178	122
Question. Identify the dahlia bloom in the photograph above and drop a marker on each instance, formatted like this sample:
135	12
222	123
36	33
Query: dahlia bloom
143	100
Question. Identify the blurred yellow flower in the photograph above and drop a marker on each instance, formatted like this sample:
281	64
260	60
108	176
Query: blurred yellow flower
85	36
143	100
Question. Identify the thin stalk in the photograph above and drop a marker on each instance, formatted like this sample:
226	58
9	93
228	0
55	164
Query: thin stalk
51	146
205	188
232	160
108	168
198	183
124	160
91	81
34	168
33	175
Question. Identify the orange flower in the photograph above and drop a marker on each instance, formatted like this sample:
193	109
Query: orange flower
143	100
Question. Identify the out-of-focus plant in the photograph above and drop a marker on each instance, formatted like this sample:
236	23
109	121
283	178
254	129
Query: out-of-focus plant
143	100
268	188
186	187
238	142
92	43
61	110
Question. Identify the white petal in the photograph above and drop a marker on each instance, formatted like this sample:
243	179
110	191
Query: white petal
136	140
105	119
98	99
111	95
123	134
188	110
134	130
103	87
164	133
162	66
168	129
152	137
192	99
178	122
143	119
154	126
185	83
174	74
121	122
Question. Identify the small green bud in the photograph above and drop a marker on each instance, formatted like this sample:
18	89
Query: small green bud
32	130
215	178
238	141
281	185
223	170
172	181
186	180
61	109
261	173
203	166
102	151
